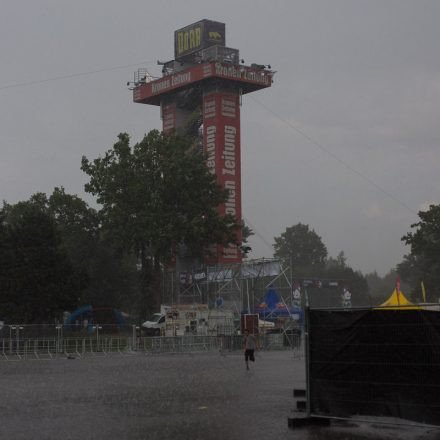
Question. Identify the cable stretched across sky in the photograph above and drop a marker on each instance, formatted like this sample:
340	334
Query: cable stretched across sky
335	157
72	75
320	146
261	237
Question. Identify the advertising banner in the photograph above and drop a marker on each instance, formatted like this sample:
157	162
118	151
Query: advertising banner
242	74
197	36
169	118
221	141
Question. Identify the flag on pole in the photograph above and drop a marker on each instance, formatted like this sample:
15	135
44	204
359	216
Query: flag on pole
398	290
423	291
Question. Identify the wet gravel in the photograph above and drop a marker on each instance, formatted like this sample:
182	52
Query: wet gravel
139	397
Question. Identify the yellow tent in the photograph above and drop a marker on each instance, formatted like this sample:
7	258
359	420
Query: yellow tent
398	301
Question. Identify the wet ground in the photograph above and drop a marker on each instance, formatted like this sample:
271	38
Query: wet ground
140	397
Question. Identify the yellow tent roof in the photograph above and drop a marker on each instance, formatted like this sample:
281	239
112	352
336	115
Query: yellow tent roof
398	301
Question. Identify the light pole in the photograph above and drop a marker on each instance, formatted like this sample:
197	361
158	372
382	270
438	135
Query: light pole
134	339
59	328
17	337
11	327
97	327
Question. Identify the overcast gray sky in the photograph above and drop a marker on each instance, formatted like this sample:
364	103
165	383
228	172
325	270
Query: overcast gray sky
360	78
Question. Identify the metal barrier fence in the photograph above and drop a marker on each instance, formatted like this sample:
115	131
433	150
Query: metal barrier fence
365	363
19	342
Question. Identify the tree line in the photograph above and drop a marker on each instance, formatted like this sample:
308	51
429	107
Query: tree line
303	249
57	252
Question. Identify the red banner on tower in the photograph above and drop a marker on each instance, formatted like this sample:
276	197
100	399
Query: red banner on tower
169	117
245	77
221	141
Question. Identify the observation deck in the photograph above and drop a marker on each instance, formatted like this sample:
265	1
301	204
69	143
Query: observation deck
211	66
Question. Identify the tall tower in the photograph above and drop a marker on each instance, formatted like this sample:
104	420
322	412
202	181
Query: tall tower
200	91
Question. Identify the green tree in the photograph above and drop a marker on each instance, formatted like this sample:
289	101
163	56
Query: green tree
155	196
340	262
37	280
302	248
338	269
423	262
111	276
246	234
382	287
105	276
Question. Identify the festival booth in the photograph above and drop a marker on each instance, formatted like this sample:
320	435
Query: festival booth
274	309
398	301
88	318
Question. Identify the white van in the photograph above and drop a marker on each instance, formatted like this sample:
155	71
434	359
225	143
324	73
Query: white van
154	326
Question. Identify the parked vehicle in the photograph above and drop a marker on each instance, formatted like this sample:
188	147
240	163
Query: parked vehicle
155	326
190	319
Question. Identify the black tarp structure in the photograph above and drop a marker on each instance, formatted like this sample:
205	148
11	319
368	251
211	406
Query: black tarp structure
383	363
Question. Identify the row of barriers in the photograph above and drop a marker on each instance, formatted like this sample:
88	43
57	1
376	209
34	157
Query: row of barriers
19	347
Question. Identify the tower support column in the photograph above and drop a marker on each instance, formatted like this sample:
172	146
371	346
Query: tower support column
221	143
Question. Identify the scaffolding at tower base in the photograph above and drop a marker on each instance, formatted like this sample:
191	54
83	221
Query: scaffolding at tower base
241	288
247	288
235	286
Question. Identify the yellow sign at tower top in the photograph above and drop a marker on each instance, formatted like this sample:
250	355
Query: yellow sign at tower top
188	40
197	36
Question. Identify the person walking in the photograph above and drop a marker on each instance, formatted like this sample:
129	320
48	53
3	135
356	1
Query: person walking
250	345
